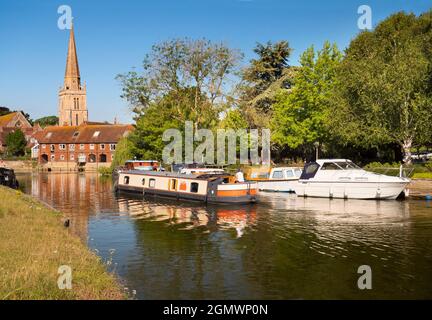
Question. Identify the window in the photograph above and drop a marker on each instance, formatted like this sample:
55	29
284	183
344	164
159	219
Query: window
48	135
277	174
298	172
126	180
152	183
92	146
194	187
173	184
330	166
62	146
102	146
52	157
62	157
71	147
81	147
72	157
143	181
52	148
96	134
76	119
76	133
112	146
289	173
44	146
112	157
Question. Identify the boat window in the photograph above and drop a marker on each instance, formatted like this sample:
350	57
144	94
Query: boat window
289	173
173	184
194	187
126	180
152	183
277	174
297	172
310	170
330	166
143	181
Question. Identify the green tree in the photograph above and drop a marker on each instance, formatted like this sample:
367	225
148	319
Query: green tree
183	80
47	121
262	79
385	85
16	143
301	114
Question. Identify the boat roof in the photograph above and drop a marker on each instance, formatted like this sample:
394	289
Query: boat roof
142	161
322	161
174	174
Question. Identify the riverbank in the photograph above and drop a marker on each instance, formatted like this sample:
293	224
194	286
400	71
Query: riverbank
420	189
34	244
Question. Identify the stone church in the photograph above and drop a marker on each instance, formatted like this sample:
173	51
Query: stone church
77	142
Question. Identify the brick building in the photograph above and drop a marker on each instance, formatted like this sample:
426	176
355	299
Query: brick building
86	143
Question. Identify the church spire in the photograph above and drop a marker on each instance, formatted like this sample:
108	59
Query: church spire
72	96
72	74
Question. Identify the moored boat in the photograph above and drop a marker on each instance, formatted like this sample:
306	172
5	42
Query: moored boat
279	179
341	178
202	186
7	178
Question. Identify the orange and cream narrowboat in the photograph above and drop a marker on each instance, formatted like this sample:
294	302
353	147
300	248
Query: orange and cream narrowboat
213	188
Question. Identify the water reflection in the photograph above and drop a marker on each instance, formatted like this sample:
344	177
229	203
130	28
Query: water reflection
283	247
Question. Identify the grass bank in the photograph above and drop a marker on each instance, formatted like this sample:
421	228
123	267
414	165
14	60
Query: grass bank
34	244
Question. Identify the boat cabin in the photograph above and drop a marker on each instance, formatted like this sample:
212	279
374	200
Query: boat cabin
145	165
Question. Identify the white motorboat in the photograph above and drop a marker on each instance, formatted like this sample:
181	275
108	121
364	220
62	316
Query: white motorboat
341	178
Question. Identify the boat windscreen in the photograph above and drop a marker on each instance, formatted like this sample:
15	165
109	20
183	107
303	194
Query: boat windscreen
309	170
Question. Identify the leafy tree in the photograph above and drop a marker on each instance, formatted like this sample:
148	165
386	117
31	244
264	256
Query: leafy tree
385	85
262	79
47	121
301	115
16	143
4	111
123	152
183	80
178	67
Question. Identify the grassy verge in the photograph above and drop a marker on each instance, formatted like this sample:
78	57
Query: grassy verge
34	244
422	175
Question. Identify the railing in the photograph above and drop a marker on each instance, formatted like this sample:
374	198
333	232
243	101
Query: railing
396	172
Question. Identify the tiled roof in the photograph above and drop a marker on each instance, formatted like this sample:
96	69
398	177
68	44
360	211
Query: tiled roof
4	120
85	133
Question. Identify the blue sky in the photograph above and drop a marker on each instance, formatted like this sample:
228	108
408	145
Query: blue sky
113	36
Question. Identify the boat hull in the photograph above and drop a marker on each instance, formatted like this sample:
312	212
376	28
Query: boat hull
350	190
276	186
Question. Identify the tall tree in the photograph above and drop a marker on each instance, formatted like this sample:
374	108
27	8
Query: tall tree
301	115
385	91
262	79
176	68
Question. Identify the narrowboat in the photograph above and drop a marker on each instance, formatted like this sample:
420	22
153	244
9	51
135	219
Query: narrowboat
341	178
279	179
200	186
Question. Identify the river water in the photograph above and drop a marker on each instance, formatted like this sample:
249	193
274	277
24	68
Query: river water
283	247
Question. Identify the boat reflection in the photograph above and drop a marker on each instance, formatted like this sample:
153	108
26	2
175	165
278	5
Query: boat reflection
187	216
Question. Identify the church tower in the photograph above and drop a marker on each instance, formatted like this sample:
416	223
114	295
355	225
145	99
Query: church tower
72	96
